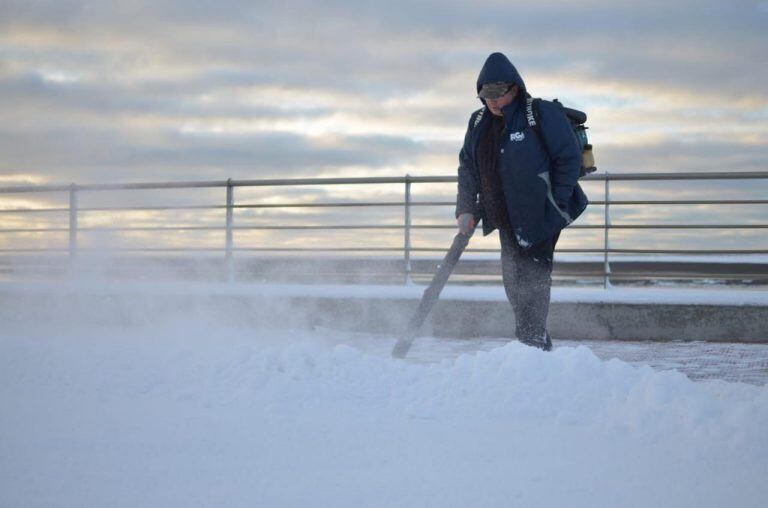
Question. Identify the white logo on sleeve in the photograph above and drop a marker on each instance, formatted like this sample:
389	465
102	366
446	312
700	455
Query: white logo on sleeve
517	136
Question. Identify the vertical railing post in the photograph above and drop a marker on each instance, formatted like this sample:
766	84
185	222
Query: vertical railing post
407	232
72	222
229	238
606	239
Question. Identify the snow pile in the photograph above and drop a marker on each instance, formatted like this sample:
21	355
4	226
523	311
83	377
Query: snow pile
202	415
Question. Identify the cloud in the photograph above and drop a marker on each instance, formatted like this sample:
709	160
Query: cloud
103	91
108	155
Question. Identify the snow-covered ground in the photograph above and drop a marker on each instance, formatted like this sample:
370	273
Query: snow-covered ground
197	413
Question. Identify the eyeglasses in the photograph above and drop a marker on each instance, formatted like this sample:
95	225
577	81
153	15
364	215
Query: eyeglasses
493	91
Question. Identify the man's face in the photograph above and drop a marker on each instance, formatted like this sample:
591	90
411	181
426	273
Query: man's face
496	105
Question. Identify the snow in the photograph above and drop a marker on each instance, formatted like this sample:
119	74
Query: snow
615	295
191	412
624	295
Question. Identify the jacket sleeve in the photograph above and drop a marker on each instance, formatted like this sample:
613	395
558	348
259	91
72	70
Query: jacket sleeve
563	150
469	181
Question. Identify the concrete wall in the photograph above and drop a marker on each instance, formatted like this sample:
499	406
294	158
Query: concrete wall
449	318
576	321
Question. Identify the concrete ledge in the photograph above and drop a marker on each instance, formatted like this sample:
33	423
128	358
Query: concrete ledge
575	314
572	321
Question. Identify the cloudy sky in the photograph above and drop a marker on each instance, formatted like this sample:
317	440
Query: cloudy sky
151	90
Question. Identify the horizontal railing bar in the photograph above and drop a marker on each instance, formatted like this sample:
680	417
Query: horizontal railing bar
222	228
152	186
223	207
115	209
34	230
150	208
348	226
224	183
570	251
369	226
629	251
120	249
34	188
693	175
114	186
339	227
318	249
645	276
736	175
368	204
685	275
344	181
624	251
41	249
621	251
360	204
561	272
415	249
687	251
276	249
436	249
204	228
684	202
33	210
320	205
109	229
678	226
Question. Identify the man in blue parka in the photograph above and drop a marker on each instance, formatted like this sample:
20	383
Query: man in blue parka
522	181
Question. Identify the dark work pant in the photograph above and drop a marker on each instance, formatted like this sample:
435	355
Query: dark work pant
527	275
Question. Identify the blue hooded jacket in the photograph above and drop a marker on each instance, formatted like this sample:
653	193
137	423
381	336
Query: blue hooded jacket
541	187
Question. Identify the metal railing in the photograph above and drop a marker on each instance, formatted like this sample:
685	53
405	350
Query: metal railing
74	191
